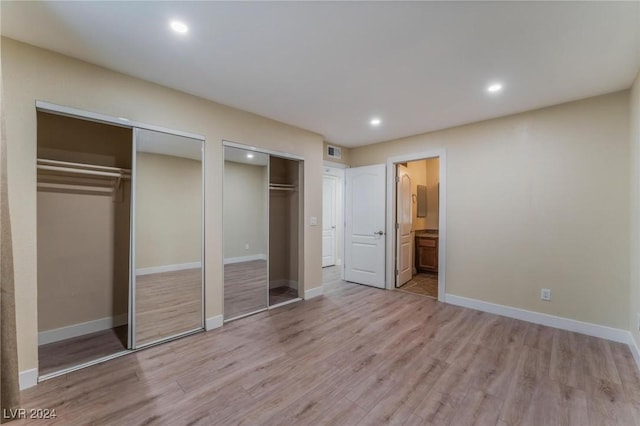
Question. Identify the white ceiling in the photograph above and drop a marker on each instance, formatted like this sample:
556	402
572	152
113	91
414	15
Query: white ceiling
168	144
331	66
238	155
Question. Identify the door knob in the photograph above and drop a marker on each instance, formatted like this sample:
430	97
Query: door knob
379	232
333	227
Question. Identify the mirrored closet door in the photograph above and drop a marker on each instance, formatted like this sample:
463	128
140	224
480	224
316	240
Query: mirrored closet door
167	274
262	227
246	229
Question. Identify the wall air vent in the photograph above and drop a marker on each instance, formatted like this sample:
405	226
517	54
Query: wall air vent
334	152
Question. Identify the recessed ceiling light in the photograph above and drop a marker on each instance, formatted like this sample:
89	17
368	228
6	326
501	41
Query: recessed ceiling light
494	88
375	121
249	155
179	27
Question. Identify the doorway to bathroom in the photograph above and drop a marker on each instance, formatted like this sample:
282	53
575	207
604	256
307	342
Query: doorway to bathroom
417	223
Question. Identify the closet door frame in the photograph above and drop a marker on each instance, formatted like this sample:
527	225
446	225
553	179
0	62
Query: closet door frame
288	156
67	111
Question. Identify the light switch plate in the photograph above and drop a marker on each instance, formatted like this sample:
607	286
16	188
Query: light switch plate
313	221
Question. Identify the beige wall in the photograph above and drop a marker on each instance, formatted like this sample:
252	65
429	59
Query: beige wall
245	209
538	199
635	209
432	166
168	210
345	154
80	276
31	73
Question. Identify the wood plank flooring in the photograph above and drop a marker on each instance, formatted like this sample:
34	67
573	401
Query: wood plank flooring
358	356
67	353
331	274
281	295
245	287
423	284
168	303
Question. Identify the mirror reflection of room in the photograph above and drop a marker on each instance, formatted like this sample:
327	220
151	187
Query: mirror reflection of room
245	216
168	236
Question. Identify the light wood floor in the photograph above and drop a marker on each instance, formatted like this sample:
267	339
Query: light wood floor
331	274
423	284
245	289
168	303
358	356
67	353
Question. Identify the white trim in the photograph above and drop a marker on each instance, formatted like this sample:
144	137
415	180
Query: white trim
214	322
635	351
442	215
240	259
75	330
262	150
103	118
590	329
168	268
28	378
327	163
313	292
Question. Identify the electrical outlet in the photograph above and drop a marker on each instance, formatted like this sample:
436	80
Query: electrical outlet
545	294
246	246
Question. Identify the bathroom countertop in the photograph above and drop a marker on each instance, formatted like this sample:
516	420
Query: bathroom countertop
427	234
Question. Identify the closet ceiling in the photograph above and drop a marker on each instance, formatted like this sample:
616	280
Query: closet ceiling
330	67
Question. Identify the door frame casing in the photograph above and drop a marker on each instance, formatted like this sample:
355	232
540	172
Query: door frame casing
334	212
441	154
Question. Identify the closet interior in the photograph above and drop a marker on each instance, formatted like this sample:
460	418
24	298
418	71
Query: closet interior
83	227
262	227
284	202
120	239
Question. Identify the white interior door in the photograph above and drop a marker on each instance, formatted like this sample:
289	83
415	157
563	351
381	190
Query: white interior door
365	220
404	213
329	187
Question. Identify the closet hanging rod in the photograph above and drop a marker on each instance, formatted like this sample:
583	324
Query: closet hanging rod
83	171
282	185
46	162
275	188
64	187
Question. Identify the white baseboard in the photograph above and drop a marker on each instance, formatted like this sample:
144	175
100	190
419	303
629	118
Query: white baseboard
168	268
241	259
28	378
590	329
635	351
313	292
214	322
75	330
